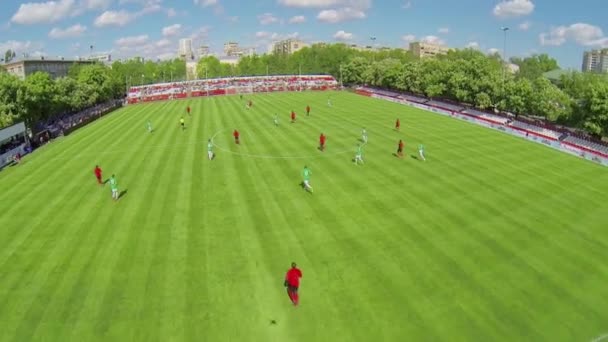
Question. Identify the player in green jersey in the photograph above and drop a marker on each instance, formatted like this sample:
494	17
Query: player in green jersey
114	187
306	173
364	135
359	155
210	149
421	152
149	124
182	122
276	119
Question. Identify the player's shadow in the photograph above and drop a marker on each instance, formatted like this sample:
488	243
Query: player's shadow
123	193
320	149
413	157
106	181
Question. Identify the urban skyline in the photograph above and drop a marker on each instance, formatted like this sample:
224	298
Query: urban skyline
152	28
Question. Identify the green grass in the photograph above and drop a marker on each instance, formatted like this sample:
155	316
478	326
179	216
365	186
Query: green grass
491	239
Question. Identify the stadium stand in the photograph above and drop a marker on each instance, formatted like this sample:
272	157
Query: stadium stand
591	145
228	86
486	116
535	129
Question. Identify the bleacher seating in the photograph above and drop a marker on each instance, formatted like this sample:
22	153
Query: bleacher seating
594	146
445	105
227	86
535	129
494	118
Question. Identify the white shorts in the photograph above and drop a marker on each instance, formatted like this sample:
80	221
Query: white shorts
307	183
210	154
114	191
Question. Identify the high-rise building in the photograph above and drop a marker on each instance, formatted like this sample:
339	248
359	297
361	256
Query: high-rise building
595	60
231	49
185	49
54	67
203	51
424	50
288	46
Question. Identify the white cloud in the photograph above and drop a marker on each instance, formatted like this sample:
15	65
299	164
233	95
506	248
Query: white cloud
407	5
311	3
493	51
132	41
206	3
342	35
279	36
267	19
298	19
114	18
580	33
233	19
172	30
163	43
262	34
96	4
70	32
433	40
333	16
408	38
19	46
443	30
513	8
43	12
525	26
473	45
171	12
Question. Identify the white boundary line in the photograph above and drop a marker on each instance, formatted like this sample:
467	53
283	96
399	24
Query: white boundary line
264	156
600	338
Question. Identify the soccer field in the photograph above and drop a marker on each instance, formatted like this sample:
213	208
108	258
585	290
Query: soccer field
492	238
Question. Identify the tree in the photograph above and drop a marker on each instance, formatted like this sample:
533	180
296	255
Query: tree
9	55
10	109
549	101
209	67
35	95
534	66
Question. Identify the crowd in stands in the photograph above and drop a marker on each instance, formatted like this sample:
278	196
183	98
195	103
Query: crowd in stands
533	125
11	144
227	86
66	121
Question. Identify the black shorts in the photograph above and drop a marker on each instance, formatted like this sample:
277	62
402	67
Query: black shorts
399	150
292	288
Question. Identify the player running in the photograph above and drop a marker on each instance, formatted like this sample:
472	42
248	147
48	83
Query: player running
210	149
322	139
149	125
182	122
400	149
364	136
114	187
306	173
307	110
293	116
359	155
276	119
292	283
188	110
397	124
236	136
421	152
97	172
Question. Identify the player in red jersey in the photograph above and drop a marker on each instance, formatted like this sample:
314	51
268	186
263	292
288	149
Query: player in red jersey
97	172
322	142
292	283
397	124
293	116
400	149
307	110
236	135
188	110
250	104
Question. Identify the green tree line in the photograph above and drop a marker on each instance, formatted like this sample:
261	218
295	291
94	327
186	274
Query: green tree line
468	76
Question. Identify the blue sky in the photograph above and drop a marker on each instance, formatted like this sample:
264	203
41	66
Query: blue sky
152	28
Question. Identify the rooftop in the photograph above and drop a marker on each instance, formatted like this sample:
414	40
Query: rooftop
56	60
